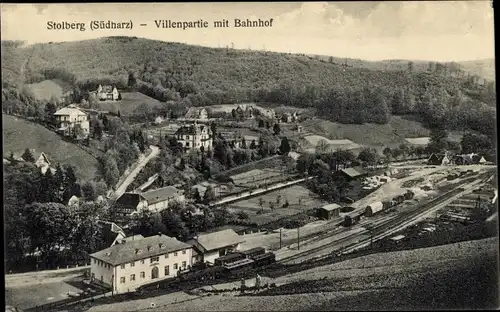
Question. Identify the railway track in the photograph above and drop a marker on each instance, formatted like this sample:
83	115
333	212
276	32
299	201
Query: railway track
383	226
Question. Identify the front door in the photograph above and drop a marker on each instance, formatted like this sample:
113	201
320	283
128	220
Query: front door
154	273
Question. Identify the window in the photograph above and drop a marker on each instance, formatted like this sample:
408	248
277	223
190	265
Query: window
166	256
132	277
176	266
175	254
183	252
122	280
187	143
167	270
154	259
132	264
183	264
187	137
143	275
123	266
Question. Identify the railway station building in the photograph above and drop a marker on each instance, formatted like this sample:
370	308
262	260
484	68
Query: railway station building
217	244
132	263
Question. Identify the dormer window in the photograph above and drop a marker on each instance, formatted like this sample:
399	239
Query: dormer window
162	246
138	251
108	254
150	248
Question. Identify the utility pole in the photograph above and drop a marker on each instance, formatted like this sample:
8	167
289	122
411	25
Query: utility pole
298	238
369	228
280	239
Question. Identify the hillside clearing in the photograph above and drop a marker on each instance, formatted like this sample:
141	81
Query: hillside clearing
48	89
396	132
20	134
130	103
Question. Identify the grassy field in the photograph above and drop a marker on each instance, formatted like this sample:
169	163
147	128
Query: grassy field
47	89
256	177
20	134
292	194
391	134
129	103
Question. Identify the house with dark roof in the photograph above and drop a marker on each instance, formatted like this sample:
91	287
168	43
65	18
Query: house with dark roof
353	173
194	136
113	234
130	263
217	244
105	93
154	200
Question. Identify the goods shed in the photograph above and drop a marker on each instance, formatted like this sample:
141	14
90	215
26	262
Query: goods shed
329	211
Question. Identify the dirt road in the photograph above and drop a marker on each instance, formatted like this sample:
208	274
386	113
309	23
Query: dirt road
133	174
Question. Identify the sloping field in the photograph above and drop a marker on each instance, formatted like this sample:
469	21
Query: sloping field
455	276
313	140
130	103
19	134
391	134
48	89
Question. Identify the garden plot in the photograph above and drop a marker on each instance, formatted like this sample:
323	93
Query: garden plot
258	177
299	198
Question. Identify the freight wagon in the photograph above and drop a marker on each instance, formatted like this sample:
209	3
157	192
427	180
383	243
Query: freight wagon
352	218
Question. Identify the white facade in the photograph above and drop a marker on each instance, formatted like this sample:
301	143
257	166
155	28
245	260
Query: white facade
161	205
195	139
128	276
210	256
69	117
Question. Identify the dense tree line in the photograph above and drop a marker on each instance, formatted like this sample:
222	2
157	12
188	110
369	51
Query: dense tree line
183	220
38	220
196	76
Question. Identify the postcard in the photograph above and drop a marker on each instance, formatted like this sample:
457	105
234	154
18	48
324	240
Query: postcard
254	156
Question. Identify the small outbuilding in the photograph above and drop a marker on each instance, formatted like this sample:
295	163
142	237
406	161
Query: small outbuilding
329	211
353	173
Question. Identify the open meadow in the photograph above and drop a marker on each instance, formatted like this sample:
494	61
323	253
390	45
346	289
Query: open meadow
48	89
20	134
130	103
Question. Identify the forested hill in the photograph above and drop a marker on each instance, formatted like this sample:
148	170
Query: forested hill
482	69
195	76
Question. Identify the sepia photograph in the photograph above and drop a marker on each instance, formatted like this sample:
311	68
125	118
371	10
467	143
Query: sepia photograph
251	156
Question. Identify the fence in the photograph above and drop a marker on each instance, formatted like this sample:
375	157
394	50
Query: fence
57	268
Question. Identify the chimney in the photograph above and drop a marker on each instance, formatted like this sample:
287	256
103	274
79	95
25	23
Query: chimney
123	241
159	234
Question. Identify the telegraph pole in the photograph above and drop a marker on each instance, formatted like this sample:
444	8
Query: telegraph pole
280	239
298	238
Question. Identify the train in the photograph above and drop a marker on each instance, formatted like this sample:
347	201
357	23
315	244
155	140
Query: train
353	218
375	208
233	265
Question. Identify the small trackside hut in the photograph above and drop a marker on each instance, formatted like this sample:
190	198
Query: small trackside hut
329	211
